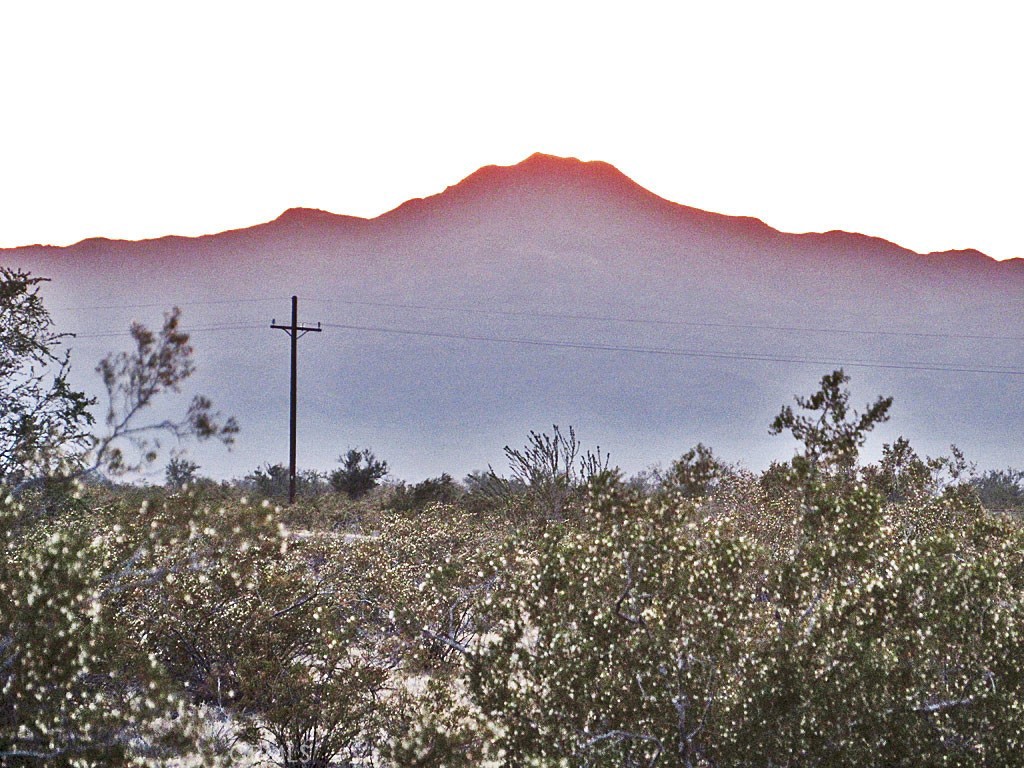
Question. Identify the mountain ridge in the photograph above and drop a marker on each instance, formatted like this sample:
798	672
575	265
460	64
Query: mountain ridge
536	168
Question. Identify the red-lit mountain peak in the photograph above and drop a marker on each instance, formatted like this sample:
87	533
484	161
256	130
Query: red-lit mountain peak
541	188
553	174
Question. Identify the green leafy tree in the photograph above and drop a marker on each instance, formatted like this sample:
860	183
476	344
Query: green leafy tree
271	482
694	474
180	472
1001	489
831	433
433	490
44	423
359	473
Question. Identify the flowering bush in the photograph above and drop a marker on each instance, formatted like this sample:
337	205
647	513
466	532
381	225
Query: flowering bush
839	615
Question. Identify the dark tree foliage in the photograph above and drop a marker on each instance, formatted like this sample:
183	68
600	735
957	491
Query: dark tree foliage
831	432
359	473
44	423
694	474
901	474
271	482
1001	489
158	364
433	490
180	472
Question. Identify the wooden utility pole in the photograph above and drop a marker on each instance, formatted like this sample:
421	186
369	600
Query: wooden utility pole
295	331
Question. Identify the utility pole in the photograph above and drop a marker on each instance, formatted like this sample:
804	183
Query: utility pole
295	331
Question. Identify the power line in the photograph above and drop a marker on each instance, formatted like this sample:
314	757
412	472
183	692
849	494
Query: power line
165	304
656	321
605	318
672	352
121	334
609	347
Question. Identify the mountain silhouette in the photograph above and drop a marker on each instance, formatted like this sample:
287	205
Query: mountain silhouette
556	291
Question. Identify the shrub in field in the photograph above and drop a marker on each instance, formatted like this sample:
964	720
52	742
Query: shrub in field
489	493
823	613
901	474
1001	489
76	688
359	473
421	576
246	621
696	473
884	648
548	475
443	490
614	645
435	729
271	482
668	636
846	631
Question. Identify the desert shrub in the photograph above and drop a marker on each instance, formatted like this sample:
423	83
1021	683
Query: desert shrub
829	626
694	474
434	729
489	493
901	474
611	645
830	615
77	688
549	476
1001	489
780	483
421	577
658	636
884	649
243	617
271	482
360	472
433	490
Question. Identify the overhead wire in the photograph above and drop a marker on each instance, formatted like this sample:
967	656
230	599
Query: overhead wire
115	334
165	304
603	346
606	318
674	352
662	322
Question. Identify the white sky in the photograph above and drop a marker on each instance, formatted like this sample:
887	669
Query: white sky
140	119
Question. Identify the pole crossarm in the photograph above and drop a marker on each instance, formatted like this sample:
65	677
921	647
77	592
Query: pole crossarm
301	329
296	332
